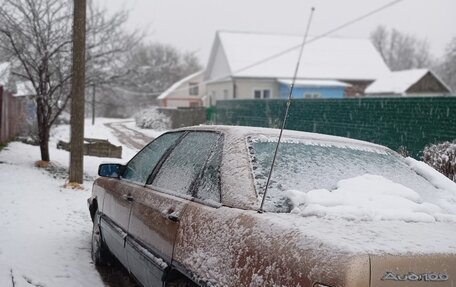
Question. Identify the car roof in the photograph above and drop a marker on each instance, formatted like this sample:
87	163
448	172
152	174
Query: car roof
244	131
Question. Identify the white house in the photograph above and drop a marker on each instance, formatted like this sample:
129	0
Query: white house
25	89
253	65
188	92
5	74
416	82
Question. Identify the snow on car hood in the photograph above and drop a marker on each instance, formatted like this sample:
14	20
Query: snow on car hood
373	197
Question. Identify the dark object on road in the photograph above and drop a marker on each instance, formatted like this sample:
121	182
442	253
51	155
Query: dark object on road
184	212
96	147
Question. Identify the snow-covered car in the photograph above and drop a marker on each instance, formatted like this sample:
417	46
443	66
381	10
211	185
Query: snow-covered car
338	212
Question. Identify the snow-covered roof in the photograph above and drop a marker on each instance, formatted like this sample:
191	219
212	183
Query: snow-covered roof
397	82
4	73
275	56
314	83
24	89
177	84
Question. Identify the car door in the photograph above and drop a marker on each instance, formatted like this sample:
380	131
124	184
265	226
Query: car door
120	193
154	221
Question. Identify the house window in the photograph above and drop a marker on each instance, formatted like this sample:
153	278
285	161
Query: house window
193	89
312	95
225	94
262	94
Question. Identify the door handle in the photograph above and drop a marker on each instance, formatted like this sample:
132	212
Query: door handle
127	197
173	217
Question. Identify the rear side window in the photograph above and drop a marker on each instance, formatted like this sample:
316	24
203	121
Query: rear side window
141	166
192	168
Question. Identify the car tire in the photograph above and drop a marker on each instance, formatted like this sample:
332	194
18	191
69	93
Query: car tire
100	252
181	282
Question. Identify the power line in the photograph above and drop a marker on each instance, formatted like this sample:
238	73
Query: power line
316	38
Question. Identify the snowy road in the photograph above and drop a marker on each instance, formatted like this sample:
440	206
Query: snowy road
129	136
45	228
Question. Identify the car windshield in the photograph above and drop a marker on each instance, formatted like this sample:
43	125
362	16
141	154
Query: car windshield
307	165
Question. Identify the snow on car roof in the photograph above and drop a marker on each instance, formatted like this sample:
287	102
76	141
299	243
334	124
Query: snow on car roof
244	131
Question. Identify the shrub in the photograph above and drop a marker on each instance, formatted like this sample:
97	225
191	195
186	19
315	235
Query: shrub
152	118
442	157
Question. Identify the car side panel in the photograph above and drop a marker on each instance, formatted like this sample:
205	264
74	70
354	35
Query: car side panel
232	247
145	267
114	238
115	215
153	232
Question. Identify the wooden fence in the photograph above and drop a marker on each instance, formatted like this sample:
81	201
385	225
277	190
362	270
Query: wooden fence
12	115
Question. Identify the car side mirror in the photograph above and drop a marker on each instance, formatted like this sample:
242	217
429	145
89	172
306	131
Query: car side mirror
113	170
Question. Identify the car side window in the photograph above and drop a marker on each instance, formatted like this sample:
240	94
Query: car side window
208	185
182	170
141	166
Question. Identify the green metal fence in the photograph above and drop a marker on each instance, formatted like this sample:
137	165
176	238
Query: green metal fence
411	122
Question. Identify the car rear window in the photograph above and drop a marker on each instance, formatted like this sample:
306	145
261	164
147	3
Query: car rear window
306	165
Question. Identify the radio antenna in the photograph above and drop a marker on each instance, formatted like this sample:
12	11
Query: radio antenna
290	96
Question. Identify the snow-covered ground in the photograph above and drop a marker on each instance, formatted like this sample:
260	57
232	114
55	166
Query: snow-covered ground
45	227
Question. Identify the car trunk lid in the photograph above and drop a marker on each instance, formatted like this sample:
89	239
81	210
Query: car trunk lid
413	270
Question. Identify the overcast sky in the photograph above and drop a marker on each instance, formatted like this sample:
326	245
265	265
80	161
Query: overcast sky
190	25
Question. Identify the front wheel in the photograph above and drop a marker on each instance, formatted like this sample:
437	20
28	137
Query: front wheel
181	283
176	279
100	253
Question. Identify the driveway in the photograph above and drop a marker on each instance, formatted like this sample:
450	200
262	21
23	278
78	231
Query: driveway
128	136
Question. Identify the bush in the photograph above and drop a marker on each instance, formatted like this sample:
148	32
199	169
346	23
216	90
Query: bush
442	157
152	118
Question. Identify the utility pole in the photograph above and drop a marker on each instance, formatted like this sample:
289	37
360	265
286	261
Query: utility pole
77	93
93	104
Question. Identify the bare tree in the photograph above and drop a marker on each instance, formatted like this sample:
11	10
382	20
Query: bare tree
151	69
107	46
401	51
36	37
155	67
447	67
